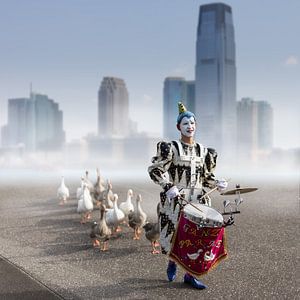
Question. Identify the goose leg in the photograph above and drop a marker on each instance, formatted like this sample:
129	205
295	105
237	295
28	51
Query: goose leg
88	215
118	229
135	234
96	243
101	246
154	250
156	244
82	221
105	246
139	232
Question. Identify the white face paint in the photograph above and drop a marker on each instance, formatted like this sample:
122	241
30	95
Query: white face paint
187	126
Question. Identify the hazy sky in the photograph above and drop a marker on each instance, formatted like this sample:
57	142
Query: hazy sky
66	47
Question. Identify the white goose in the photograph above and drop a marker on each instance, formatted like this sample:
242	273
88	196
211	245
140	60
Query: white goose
137	219
108	195
63	192
85	205
114	216
127	206
79	191
88	182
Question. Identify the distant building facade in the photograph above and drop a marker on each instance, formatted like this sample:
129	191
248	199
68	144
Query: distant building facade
113	108
265	125
175	89
35	123
254	128
215	81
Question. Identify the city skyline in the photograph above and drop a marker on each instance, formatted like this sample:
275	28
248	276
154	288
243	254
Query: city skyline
66	55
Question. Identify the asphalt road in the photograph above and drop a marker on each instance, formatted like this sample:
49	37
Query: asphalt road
57	259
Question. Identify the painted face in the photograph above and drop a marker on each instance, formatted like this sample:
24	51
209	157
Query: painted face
187	126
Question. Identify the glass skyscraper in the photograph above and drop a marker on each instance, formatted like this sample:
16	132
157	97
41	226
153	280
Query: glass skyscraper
215	84
254	128
174	91
35	122
113	108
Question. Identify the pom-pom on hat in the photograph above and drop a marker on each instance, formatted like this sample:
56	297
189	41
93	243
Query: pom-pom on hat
183	112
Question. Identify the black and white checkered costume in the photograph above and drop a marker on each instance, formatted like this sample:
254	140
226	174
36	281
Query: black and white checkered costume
190	168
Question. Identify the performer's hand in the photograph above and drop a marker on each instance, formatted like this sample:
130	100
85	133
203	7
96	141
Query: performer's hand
221	184
172	192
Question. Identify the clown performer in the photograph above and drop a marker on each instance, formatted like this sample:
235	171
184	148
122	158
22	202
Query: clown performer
182	167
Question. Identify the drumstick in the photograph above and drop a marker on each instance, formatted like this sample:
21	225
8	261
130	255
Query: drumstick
186	201
182	198
212	190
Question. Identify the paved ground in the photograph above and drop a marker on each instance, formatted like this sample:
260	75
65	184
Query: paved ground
16	283
48	243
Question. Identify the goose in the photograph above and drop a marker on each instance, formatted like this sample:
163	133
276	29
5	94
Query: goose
88	182
63	192
114	216
108	195
101	231
152	233
85	205
99	189
127	205
79	190
137	219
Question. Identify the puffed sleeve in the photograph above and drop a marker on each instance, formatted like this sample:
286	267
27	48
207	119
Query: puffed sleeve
160	164
210	163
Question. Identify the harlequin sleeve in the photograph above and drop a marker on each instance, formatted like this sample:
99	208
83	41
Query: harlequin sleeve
160	165
209	167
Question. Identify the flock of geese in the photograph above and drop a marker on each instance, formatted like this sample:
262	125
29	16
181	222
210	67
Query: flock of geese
100	195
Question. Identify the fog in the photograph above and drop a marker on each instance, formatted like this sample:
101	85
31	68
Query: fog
46	167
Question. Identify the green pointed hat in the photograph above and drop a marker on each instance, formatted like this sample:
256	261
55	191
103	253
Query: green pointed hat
183	112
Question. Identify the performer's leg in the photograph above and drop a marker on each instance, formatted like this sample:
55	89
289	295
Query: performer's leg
171	270
194	282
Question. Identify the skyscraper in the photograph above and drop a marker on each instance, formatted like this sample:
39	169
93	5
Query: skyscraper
215	84
265	125
254	128
190	95
18	122
113	108
48	122
34	122
247	129
174	91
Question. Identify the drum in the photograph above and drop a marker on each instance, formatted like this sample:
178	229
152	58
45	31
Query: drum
199	241
202	215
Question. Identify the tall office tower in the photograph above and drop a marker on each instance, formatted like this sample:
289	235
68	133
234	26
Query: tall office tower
48	123
174	91
20	128
254	128
215	103
190	95
113	108
265	125
35	122
247	129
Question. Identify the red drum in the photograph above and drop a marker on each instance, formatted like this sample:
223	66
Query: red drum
199	241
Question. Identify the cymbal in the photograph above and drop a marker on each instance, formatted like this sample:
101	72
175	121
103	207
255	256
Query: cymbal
239	190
